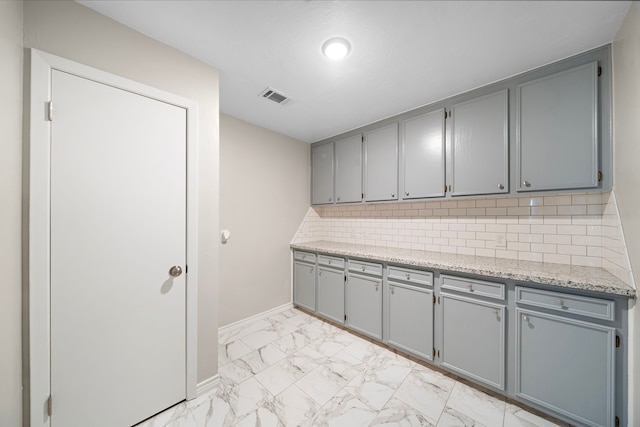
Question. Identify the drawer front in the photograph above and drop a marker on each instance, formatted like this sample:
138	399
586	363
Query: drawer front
410	276
365	267
331	261
586	306
473	287
304	256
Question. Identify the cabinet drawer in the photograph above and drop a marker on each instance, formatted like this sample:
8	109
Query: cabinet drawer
410	275
331	261
566	303
473	287
365	267
304	256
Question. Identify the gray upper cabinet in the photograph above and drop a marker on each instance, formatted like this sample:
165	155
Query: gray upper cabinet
381	164
480	145
423	150
322	174
348	163
557	131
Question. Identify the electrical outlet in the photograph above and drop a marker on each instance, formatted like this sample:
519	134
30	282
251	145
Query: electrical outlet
501	240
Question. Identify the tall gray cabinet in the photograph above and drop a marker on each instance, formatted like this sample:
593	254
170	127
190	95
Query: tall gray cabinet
322	174
423	148
381	164
480	145
348	153
557	130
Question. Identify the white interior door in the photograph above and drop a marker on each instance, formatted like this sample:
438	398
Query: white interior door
118	224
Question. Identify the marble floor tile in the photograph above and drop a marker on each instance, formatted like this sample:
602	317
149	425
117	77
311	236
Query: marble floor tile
293	369
283	374
396	413
426	391
479	406
517	417
344	410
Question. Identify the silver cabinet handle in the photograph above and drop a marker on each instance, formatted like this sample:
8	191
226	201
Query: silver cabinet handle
393	195
470	286
330	198
363	268
376	286
525	318
500	187
319	272
495	311
408	276
526	183
406	193
392	289
338	198
304	257
175	271
329	262
560	302
311	270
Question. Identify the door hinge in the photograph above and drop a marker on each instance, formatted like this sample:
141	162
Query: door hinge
438	353
438	300
50	111
362	195
445	188
49	405
617	341
599	71
186	269
345	317
617	421
434	352
599	176
345	278
434	299
445	117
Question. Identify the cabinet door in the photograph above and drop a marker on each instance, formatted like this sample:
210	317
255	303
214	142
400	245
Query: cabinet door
364	304
557	131
381	164
411	319
423	156
349	169
331	293
304	285
566	365
480	145
473	339
322	174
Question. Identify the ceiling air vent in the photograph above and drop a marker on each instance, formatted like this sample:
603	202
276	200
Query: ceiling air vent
275	96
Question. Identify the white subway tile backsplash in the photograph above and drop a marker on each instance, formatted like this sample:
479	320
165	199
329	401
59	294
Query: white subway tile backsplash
578	229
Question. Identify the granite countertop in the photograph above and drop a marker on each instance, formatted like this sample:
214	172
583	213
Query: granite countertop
568	276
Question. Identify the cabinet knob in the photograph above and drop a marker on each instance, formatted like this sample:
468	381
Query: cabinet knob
311	270
406	193
392	289
470	287
376	286
525	318
408	276
363	268
393	195
526	183
319	272
329	262
338	198
330	198
495	311
500	187
560	302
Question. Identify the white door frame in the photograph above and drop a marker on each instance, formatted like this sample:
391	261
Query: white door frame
36	224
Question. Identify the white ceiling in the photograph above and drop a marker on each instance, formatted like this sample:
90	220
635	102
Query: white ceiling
404	53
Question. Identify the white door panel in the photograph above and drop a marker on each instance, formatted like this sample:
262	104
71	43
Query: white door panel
118	224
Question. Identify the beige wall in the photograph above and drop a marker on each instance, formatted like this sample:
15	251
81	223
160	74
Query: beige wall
10	212
626	83
264	196
72	31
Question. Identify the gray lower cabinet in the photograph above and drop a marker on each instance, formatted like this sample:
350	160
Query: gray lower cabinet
304	281
480	145
557	130
364	298
322	174
473	340
381	164
423	154
473	329
410	318
348	155
331	281
564	363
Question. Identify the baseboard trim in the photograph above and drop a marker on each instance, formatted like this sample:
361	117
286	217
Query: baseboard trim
209	385
264	314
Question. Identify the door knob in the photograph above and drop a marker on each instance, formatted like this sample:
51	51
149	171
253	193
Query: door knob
175	271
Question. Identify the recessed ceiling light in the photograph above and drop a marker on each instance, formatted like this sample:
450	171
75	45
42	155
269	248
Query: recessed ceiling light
336	48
